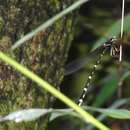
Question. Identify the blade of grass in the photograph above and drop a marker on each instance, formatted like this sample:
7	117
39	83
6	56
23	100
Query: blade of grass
44	85
114	113
106	92
48	23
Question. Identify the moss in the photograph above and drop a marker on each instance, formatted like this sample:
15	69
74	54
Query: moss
56	4
1	24
45	54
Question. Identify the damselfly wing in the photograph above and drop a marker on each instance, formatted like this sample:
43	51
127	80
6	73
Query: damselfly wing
79	63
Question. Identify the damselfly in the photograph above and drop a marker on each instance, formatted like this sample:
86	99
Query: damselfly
113	44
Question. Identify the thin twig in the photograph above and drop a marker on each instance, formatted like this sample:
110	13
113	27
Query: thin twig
120	68
122	26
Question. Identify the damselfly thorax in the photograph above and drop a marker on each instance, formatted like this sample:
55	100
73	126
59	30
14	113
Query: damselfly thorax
114	44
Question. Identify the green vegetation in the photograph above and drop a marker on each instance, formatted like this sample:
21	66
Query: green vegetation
40	62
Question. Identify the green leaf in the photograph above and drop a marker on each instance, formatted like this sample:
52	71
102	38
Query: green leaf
114	113
61	112
114	30
106	92
117	113
25	115
126	74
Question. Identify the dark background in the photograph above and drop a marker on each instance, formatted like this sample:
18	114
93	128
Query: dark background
92	23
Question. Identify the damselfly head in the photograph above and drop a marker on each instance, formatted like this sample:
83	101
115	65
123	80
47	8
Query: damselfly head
111	41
